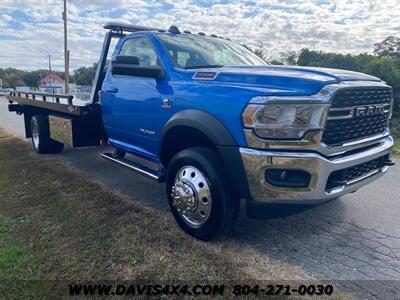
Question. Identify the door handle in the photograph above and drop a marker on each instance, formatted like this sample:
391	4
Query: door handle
112	90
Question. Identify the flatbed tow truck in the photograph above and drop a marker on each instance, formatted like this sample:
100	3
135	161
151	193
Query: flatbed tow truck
219	125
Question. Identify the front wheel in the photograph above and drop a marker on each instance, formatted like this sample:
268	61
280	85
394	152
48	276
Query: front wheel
199	195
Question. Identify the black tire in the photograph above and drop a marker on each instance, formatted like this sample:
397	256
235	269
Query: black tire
40	134
225	206
56	147
42	142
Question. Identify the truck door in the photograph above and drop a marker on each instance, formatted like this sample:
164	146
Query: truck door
127	102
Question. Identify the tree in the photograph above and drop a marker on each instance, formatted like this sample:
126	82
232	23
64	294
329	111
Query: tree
85	75
259	51
389	47
276	62
12	77
386	68
289	58
32	78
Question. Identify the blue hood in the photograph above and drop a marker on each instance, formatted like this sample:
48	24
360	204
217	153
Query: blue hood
304	80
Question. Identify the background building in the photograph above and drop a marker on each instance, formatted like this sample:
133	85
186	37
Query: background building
52	83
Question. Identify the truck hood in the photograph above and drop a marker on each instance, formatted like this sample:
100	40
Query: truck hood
284	79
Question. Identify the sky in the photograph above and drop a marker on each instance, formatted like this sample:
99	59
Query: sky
30	30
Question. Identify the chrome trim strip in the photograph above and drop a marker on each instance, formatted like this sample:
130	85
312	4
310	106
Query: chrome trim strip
349	116
364	177
365	140
342	108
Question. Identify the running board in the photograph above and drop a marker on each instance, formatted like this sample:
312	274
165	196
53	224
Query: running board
143	170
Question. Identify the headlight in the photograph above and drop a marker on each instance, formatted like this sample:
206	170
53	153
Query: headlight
284	121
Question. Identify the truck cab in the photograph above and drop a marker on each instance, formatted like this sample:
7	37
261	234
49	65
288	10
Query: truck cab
136	108
220	126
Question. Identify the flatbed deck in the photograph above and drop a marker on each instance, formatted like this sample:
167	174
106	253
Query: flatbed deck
71	121
55	102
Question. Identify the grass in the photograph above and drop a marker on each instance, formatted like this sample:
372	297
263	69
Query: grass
395	127
58	225
14	259
395	131
396	147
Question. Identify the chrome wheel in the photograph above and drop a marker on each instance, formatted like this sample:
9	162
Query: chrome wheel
35	135
191	196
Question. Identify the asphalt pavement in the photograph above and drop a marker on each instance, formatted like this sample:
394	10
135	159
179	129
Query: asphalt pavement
354	238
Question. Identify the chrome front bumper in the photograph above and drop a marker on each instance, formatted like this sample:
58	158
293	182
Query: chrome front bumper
257	161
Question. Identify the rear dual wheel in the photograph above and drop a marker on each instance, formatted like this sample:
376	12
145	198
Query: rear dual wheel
41	140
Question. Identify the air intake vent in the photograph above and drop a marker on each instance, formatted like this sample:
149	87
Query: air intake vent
205	75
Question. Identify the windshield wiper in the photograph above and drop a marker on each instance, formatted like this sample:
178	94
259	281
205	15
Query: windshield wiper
204	67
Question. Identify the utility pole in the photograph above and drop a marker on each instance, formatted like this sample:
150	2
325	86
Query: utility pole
66	51
49	56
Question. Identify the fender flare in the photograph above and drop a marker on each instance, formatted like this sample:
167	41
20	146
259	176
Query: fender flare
223	141
202	121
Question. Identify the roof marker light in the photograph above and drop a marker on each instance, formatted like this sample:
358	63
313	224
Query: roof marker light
174	29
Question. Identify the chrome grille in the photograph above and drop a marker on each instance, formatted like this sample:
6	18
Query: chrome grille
357	113
362	96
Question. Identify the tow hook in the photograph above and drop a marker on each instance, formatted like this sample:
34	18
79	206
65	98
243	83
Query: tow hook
389	163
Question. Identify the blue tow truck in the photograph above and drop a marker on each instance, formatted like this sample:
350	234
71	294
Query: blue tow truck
219	125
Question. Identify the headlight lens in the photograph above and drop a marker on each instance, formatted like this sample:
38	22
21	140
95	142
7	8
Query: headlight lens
284	121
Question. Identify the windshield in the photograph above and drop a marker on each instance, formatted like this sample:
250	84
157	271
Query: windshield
190	51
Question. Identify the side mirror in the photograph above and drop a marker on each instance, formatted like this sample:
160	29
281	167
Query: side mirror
129	65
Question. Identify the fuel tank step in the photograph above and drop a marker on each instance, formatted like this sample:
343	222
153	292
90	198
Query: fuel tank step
143	170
